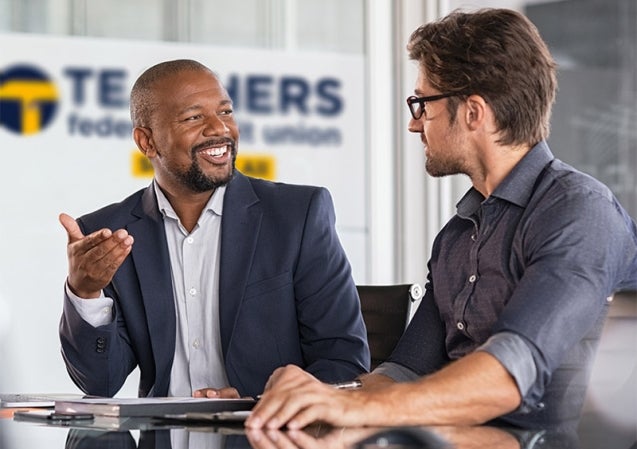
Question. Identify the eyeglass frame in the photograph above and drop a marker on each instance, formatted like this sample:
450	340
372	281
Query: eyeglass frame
422	101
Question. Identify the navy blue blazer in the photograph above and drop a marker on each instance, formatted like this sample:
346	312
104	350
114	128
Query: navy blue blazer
286	294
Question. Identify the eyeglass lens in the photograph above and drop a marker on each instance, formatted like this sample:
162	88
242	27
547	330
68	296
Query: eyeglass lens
416	107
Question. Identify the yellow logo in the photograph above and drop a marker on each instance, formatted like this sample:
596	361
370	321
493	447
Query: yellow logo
28	99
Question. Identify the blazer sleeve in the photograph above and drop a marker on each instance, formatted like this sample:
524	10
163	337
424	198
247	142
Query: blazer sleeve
332	332
98	359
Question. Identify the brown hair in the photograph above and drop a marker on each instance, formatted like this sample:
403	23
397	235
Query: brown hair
499	55
142	101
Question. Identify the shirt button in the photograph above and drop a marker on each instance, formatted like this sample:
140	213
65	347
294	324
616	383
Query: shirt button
472	278
190	240
192	291
460	325
196	344
106	310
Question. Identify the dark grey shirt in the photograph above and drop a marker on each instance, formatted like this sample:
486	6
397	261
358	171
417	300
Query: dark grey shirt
536	259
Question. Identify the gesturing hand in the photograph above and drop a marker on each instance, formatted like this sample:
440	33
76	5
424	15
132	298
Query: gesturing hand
94	258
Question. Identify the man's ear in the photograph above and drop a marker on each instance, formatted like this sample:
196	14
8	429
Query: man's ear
144	139
475	113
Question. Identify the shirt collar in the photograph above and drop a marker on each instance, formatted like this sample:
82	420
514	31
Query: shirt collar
518	185
215	203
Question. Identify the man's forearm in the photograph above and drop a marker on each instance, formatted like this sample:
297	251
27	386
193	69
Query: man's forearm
469	391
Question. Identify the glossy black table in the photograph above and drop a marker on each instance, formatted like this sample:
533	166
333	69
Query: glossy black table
133	433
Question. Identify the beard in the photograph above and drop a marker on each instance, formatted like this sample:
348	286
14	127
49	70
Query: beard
439	168
451	160
198	181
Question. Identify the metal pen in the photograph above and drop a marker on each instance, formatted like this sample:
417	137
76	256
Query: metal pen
349	385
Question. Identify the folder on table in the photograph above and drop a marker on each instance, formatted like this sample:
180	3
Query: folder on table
34	400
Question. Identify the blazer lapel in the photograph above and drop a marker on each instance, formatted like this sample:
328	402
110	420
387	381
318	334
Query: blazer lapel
152	263
240	225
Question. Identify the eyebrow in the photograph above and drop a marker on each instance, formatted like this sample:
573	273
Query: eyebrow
197	107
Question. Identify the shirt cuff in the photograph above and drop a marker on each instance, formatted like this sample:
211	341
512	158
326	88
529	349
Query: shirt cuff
514	354
96	311
397	372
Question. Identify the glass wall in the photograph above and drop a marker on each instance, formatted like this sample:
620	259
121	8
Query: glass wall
593	126
324	25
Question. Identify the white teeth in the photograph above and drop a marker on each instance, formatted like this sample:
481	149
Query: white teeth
217	151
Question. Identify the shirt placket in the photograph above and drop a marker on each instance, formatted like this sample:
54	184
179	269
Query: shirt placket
194	312
483	228
461	302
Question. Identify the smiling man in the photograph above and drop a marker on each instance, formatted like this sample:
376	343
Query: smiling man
207	280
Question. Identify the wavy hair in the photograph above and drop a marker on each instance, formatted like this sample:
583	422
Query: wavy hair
499	55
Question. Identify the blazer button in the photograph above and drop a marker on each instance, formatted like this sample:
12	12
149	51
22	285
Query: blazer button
100	344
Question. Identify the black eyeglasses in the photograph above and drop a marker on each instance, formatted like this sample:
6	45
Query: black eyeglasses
416	105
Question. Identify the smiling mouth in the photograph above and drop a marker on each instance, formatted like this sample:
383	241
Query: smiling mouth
216	152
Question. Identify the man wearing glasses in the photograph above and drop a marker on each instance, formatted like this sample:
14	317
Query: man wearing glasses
518	279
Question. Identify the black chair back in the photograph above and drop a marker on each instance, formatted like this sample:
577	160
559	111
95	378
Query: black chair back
386	311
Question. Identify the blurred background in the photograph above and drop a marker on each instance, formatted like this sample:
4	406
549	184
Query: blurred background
319	89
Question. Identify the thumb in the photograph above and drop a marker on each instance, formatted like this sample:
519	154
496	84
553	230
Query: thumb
72	228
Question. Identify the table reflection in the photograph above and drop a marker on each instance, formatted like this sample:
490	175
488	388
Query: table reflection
151	434
410	437
156	439
317	437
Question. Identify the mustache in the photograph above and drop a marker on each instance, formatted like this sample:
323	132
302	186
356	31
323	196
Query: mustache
214	142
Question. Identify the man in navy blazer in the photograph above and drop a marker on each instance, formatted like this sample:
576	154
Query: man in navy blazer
272	284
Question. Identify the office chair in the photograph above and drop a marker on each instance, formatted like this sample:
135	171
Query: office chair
386	311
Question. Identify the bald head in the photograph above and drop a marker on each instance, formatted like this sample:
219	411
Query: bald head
142	100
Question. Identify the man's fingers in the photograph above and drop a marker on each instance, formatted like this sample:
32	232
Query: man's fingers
103	246
297	411
228	393
224	393
306	416
93	258
277	407
72	228
258	439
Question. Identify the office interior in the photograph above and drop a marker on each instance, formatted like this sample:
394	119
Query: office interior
401	208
